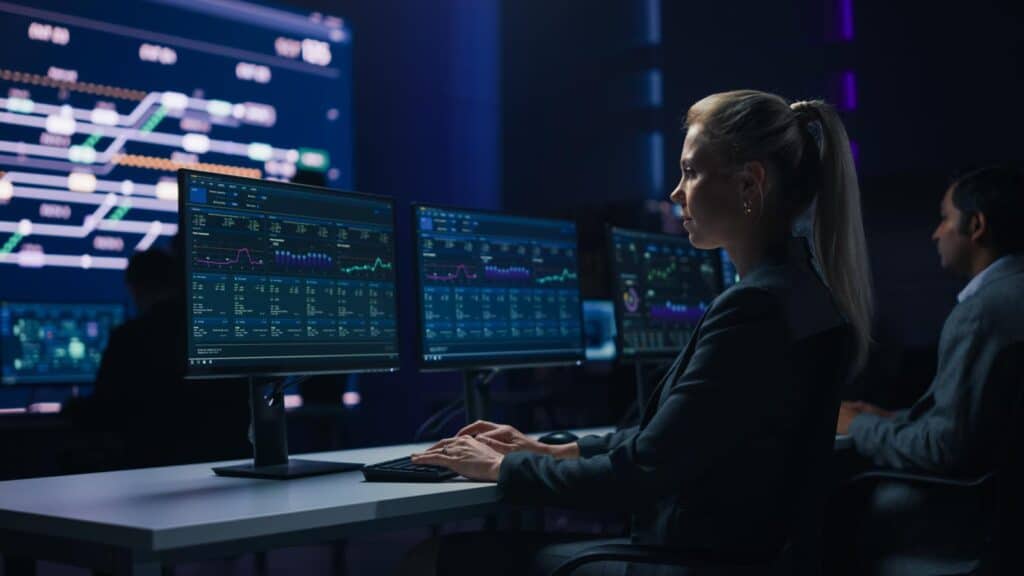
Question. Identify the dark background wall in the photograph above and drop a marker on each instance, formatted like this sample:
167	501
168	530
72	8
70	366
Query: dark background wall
573	108
545	107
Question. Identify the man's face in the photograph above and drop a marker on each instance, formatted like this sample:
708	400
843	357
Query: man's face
953	244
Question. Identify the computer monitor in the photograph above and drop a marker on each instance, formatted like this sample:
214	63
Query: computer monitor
662	287
54	343
286	279
496	290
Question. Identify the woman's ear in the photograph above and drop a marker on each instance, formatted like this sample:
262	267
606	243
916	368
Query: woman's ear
754	180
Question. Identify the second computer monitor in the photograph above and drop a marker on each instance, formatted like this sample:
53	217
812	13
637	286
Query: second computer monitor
496	290
663	286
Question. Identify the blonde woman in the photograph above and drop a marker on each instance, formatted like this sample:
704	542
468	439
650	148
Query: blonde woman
714	459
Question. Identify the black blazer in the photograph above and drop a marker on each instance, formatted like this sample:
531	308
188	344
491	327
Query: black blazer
712	462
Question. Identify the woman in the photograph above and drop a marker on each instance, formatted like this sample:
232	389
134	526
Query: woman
752	166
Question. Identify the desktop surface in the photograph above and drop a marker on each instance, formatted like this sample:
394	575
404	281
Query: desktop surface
54	343
285	278
496	290
663	286
181	506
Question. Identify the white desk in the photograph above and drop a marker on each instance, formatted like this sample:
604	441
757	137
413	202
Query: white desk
132	521
129	522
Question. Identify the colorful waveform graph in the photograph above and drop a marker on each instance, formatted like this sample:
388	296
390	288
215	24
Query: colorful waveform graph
231	260
506	273
310	260
457	271
564	276
677	313
631	300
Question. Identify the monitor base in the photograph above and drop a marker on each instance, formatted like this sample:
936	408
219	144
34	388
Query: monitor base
293	468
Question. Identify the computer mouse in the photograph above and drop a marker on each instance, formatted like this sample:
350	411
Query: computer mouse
559	437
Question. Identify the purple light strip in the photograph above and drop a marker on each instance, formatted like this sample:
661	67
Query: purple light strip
849	80
846	19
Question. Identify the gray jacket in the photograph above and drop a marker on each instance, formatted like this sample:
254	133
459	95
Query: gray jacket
951	429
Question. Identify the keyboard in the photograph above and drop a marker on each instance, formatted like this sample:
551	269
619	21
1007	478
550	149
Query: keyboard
403	470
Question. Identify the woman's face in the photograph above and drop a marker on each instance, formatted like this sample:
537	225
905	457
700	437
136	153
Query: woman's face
709	194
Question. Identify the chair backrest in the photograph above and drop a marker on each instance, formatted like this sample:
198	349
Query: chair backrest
1009	372
821	366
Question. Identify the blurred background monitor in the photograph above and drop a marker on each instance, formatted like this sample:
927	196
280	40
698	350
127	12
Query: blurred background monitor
48	343
102	101
729	274
599	330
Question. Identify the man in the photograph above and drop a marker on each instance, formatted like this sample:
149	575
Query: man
148	413
964	412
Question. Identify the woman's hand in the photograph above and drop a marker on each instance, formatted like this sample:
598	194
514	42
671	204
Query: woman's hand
466	455
504	439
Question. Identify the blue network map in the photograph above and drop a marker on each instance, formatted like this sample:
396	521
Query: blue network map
101	104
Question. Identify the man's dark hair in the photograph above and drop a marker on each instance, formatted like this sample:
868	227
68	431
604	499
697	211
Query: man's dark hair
153	270
998	193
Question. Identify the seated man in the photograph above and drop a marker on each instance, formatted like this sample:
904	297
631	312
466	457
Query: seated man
981	236
143	412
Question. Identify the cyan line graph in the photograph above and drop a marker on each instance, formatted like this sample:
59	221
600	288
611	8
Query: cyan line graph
661	273
563	276
377	264
237	259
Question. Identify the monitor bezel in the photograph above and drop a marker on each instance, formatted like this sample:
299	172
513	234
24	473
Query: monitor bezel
387	365
62	383
452	365
652	355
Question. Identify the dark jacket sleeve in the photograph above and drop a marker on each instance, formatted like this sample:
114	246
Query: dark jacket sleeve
594	444
696	421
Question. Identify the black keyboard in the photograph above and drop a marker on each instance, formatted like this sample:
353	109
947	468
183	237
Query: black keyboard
403	470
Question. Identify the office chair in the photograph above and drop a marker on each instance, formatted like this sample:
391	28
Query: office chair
820	364
918	523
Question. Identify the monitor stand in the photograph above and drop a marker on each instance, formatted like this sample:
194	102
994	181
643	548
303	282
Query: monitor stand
269	437
477	393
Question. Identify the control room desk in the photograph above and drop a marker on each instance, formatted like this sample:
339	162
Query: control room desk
134	521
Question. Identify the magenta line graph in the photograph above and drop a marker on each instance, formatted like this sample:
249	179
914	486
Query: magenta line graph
231	261
452	276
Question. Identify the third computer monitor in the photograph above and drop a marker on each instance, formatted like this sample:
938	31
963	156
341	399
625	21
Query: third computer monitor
496	290
662	287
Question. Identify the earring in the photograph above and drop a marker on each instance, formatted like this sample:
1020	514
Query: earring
747	208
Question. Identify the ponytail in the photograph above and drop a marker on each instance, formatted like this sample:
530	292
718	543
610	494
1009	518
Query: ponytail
839	241
807	144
